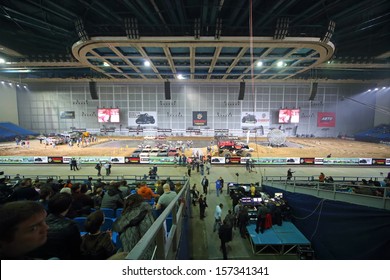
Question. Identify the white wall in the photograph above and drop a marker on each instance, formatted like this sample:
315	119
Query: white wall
382	114
8	104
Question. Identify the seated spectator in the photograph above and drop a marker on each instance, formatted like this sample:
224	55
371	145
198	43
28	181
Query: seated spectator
124	188
97	198
45	193
25	191
22	229
112	198
63	238
96	245
146	192
135	221
166	198
82	203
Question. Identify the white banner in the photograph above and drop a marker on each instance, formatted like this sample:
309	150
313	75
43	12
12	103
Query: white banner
252	119
142	118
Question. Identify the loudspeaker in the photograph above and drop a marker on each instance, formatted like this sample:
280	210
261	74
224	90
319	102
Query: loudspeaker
241	94
167	86
313	91
93	90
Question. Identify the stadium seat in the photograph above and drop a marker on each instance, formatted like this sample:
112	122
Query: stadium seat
108	212
119	212
107	225
80	223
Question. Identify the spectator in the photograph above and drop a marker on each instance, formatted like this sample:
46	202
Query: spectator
289	174
96	245
135	221
202	206
146	192
113	197
22	229
218	217
321	178
63	239
166	198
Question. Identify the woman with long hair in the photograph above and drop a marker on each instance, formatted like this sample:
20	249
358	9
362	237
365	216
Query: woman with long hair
134	222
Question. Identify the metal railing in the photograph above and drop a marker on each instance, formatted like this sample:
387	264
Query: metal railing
342	189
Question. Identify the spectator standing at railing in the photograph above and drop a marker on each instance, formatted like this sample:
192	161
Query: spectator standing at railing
321	178
289	174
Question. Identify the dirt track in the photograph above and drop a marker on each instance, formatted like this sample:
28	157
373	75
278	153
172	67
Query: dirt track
307	147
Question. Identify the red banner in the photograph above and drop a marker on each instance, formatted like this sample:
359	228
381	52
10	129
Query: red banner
326	119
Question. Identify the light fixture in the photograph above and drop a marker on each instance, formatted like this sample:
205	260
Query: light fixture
147	63
259	63
180	77
2	60
105	64
280	64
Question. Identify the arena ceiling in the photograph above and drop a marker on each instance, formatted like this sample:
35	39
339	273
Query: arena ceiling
195	40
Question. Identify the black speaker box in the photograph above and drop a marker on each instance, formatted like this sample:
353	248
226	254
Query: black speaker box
93	90
167	86
241	94
313	91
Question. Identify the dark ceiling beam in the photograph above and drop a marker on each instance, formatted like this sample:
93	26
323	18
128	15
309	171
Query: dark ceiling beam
231	22
312	11
147	12
351	11
213	13
363	26
31	21
270	14
102	10
245	14
138	13
280	12
158	11
181	12
205	9
59	11
171	11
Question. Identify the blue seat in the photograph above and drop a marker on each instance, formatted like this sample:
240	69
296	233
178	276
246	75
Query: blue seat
108	212
107	224
80	221
116	240
119	212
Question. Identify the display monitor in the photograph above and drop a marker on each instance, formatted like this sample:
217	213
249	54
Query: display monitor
289	116
108	115
278	195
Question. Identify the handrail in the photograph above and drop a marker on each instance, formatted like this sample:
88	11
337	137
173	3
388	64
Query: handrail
373	196
165	245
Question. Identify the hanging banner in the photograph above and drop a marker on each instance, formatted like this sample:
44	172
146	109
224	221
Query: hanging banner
199	118
326	119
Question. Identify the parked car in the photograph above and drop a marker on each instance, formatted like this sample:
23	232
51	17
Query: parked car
163	153
136	153
154	152
172	152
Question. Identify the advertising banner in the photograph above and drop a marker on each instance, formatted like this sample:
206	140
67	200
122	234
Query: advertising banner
199	118
17	159
341	161
378	161
54	159
142	118
67	115
326	119
305	161
251	119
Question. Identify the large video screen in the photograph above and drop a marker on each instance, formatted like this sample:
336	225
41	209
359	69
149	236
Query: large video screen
108	115
289	116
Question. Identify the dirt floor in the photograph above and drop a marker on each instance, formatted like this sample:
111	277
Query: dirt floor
124	146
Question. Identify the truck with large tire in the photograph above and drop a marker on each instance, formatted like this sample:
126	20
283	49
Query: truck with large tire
230	148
